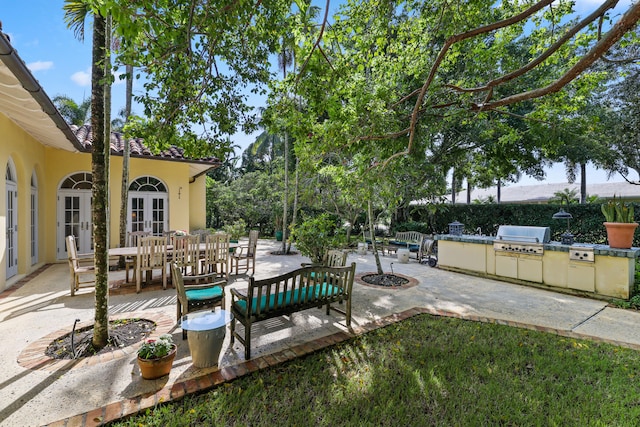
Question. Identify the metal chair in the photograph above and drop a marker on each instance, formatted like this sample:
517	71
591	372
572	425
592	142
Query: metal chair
80	266
151	255
246	254
216	255
209	294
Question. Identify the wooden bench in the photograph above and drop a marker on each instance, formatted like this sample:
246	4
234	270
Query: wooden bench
298	290
411	240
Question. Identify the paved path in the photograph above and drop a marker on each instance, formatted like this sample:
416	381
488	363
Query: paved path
37	391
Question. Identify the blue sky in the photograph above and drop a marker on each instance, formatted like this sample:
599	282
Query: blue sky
61	63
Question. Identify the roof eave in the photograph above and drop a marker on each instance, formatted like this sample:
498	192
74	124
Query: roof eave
16	65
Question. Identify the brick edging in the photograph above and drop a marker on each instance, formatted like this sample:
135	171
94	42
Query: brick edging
179	389
33	356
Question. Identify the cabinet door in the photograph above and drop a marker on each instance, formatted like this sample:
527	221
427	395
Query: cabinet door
581	277
507	265
530	268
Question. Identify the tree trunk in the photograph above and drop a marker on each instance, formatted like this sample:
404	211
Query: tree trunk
294	218
286	193
453	187
100	185
468	192
126	154
498	188
373	237
583	183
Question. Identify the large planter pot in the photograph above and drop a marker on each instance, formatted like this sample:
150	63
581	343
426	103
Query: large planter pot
152	369
620	234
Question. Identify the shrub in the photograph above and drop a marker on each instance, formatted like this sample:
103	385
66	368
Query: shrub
314	236
236	229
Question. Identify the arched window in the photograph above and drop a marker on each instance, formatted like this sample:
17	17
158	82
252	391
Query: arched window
74	213
78	181
148	210
147	183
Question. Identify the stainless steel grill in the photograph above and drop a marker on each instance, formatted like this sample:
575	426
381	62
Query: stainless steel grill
522	239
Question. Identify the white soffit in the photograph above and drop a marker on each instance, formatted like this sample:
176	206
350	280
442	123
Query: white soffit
18	105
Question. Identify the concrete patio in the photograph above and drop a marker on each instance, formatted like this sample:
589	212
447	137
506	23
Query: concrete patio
38	391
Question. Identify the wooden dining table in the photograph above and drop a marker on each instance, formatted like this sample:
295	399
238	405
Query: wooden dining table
132	251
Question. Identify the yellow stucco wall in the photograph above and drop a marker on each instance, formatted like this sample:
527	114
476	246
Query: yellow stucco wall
27	156
173	174
186	200
198	203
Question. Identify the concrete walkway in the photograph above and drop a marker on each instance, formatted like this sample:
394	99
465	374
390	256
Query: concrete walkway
35	390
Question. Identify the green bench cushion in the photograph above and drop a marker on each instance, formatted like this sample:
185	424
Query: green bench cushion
288	298
204	294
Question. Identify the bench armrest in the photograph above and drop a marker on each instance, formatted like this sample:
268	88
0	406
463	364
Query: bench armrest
235	293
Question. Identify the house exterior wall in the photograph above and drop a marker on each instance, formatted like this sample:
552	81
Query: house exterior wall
27	155
198	203
185	200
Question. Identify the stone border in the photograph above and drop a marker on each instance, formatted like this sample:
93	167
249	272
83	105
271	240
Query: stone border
33	356
412	282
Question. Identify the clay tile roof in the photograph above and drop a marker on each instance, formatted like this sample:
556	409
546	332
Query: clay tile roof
85	136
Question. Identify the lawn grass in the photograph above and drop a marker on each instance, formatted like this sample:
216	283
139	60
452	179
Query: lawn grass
429	371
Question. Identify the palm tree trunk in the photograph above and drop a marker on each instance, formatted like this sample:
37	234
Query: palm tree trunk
583	183
100	185
126	154
285	202
294	218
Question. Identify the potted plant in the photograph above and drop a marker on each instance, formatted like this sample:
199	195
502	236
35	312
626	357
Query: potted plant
155	357
619	222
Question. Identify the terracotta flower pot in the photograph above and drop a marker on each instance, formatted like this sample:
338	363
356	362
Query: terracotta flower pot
152	369
620	234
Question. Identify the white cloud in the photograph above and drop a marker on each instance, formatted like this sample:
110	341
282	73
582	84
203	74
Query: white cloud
40	65
82	78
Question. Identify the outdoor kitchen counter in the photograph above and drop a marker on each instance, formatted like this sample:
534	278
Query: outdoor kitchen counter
601	272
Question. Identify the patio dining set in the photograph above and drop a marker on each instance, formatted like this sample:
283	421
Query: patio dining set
208	255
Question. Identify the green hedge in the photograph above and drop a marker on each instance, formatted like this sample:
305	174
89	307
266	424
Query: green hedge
586	224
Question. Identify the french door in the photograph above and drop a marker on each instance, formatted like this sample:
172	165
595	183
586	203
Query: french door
12	229
148	212
74	218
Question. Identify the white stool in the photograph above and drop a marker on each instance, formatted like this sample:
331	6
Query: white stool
403	256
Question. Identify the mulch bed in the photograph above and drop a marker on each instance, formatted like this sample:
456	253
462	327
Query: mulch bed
386	280
122	333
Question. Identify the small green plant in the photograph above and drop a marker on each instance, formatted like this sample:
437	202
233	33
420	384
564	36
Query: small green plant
236	229
155	349
615	210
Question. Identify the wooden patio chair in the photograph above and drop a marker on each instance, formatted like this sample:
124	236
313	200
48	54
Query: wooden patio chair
246	254
130	262
216	255
332	258
81	266
186	254
151	255
207	293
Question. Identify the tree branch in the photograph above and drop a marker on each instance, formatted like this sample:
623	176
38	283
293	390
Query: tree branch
626	23
454	39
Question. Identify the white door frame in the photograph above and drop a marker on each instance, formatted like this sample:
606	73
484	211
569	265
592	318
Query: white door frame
74	217
11	251
33	216
148	211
